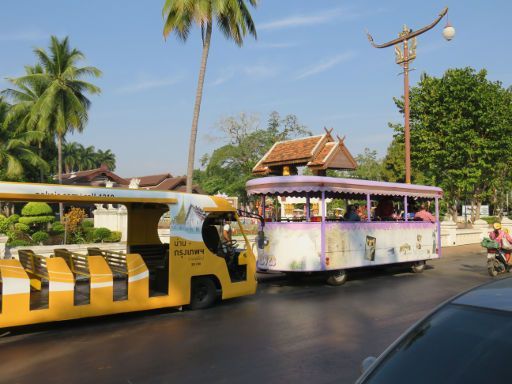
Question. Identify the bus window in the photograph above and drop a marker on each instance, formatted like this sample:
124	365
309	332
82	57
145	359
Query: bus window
217	233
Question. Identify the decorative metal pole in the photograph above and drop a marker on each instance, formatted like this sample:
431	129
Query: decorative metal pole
404	55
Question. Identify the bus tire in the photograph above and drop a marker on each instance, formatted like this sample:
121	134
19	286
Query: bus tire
337	278
418	266
203	293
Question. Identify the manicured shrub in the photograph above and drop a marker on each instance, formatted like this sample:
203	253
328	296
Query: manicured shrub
18	243
36	209
115	237
21	227
4	225
40	237
57	228
13	219
87	224
34	221
101	234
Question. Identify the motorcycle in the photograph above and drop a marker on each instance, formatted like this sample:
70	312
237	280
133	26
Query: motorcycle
496	260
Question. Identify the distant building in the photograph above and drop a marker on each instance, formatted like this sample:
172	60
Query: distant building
103	177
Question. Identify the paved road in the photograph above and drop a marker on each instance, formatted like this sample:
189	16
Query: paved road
299	332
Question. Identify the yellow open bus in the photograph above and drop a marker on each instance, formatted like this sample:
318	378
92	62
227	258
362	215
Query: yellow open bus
194	269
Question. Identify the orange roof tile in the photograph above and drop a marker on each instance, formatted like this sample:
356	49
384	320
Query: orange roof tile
292	150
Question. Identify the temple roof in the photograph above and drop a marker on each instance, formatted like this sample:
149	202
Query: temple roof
316	152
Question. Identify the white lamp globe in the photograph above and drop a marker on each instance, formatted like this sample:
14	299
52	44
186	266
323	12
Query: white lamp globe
448	32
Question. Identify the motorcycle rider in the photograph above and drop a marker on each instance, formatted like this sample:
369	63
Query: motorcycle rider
499	235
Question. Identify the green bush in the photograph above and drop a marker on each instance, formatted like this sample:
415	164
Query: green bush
35	220
87	224
21	227
57	228
101	234
491	219
89	235
18	243
36	209
40	237
13	219
115	237
4	225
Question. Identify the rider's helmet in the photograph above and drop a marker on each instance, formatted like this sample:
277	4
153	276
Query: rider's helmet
497	226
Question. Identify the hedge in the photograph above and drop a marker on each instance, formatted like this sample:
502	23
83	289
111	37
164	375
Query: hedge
30	220
101	234
36	209
40	237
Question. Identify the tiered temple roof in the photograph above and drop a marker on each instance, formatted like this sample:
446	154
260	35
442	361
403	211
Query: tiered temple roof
318	153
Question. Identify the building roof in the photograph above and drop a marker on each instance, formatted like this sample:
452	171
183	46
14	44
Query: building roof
316	152
100	174
152	180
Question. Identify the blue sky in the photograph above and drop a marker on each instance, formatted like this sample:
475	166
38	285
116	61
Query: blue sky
311	59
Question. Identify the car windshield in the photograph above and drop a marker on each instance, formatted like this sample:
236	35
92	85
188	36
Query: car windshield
458	344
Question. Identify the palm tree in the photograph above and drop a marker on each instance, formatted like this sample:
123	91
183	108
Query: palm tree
234	21
15	151
70	156
107	158
25	96
63	106
87	157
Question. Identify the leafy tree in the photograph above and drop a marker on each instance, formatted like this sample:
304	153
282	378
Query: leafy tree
234	21
63	106
393	164
16	153
368	166
25	95
460	129
229	167
105	157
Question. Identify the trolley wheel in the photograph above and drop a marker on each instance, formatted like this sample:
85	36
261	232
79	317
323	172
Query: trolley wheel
418	266
203	293
338	277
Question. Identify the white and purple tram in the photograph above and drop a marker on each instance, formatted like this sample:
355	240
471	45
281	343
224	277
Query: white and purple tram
318	241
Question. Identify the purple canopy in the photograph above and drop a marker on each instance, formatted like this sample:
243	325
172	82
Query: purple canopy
302	184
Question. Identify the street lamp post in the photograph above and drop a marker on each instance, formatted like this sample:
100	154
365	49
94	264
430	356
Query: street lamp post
404	55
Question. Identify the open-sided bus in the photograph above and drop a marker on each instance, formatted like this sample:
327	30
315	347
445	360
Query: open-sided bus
316	241
192	269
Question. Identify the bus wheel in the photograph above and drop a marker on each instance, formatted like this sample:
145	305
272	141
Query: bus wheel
337	277
418	266
203	293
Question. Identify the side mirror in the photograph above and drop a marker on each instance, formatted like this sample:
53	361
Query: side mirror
367	363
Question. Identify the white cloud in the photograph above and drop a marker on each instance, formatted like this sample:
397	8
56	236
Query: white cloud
260	71
223	77
257	71
27	35
149	83
302	20
275	45
325	65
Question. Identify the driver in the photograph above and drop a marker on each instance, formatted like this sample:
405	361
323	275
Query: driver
227	232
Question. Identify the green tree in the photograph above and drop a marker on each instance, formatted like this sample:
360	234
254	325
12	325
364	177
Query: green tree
24	96
460	125
234	21
369	167
106	157
393	164
16	154
63	106
229	167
